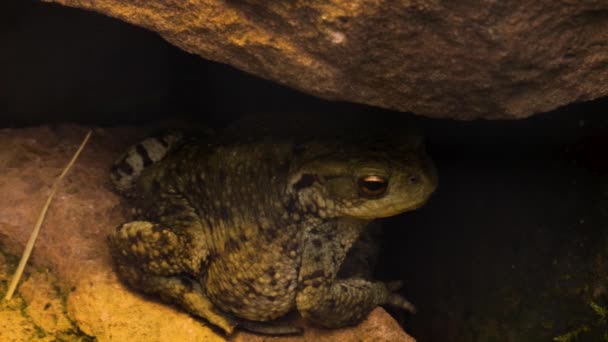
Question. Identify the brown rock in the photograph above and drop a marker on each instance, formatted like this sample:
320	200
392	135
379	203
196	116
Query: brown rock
72	245
378	327
455	59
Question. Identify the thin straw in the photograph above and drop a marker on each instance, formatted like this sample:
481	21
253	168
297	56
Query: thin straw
30	243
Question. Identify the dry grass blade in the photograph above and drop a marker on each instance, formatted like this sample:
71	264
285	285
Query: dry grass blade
30	243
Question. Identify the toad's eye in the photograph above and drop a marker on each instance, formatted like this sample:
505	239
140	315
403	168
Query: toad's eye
372	186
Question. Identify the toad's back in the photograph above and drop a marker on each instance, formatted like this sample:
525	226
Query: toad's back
251	230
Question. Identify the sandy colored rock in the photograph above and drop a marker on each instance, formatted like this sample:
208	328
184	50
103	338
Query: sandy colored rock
15	327
16	324
455	59
107	310
72	247
44	303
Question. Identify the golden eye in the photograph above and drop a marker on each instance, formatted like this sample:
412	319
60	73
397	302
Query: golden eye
372	186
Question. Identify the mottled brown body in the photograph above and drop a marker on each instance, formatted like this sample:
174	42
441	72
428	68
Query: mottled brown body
254	230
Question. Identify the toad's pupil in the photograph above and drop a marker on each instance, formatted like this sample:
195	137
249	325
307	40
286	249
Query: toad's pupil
374	185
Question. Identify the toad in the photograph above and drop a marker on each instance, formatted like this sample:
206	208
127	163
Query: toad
243	232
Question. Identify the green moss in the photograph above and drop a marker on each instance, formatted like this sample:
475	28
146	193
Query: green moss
596	329
572	335
74	335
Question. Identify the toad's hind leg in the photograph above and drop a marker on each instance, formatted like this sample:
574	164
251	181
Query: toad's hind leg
151	258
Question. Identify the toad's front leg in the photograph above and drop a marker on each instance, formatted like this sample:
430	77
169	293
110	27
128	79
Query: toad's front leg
330	302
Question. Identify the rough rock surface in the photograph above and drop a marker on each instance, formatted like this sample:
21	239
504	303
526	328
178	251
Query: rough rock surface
87	298
456	59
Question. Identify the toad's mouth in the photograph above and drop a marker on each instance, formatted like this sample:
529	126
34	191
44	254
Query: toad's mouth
381	209
386	211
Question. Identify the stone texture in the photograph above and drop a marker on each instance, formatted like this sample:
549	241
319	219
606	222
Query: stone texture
70	289
104	308
37	312
44	303
16	327
455	59
378	327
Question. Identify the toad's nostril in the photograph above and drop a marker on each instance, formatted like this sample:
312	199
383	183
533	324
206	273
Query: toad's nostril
414	179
